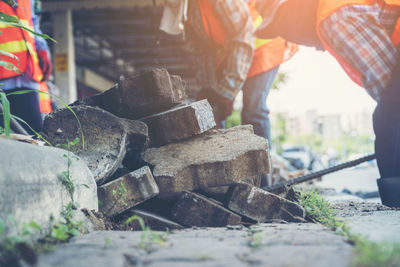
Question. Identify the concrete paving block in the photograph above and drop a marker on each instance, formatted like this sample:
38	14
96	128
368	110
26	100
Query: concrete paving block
192	209
146	93
179	87
215	158
31	186
108	100
127	191
180	123
220	193
154	221
107	137
262	206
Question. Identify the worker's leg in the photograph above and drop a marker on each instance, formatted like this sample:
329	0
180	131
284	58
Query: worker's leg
255	111
387	128
26	107
387	142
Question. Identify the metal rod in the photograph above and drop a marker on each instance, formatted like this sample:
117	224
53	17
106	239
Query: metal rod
314	175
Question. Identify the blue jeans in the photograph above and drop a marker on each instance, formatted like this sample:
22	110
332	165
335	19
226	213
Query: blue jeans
386	121
255	111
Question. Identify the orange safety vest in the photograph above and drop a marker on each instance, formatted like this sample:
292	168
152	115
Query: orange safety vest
45	100
19	42
267	54
327	7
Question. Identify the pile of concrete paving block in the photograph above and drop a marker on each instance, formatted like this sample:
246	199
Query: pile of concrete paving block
157	158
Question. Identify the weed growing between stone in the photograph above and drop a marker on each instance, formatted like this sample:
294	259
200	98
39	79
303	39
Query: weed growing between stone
254	237
66	177
67	227
121	193
318	210
367	253
148	238
371	254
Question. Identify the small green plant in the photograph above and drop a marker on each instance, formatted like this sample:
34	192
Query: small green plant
148	238
368	253
66	177
67	227
107	242
255	241
319	210
371	254
254	236
233	120
121	192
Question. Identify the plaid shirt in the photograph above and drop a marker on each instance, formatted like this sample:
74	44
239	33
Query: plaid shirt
350	32
227	78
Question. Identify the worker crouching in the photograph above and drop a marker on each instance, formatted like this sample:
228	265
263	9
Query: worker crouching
364	37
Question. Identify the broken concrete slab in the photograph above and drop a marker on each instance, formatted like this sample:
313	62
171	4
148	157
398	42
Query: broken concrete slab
193	209
106	137
154	221
178	87
220	193
127	191
180	123
146	93
162	207
31	186
262	206
215	158
109	100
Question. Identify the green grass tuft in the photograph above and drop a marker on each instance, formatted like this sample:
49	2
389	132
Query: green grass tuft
319	210
371	254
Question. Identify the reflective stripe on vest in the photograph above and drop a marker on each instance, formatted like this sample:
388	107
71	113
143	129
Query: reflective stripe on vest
396	34
215	29
268	53
19	42
327	7
45	100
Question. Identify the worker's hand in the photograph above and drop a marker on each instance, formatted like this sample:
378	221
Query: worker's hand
222	106
45	64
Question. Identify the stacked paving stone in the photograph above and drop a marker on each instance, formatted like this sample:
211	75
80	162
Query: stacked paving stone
157	158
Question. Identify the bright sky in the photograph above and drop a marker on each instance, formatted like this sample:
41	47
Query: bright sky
316	81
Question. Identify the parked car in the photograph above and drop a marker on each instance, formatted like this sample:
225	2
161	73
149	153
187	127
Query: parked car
300	157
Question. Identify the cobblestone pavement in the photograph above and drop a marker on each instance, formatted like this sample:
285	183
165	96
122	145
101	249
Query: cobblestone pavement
262	245
372	220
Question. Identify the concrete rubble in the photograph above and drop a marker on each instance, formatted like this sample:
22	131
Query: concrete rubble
105	137
127	191
262	206
216	158
184	153
143	147
180	123
192	209
142	95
